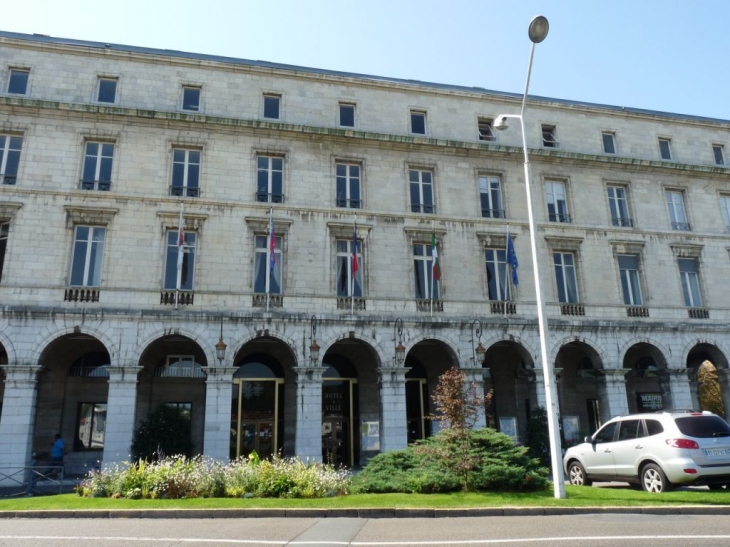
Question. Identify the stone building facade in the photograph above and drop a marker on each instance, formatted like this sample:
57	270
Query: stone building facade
104	148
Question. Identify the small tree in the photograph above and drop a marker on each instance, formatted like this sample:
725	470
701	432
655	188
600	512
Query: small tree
165	432
538	436
459	404
709	388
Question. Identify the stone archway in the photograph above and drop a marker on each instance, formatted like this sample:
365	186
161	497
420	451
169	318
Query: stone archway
708	372
647	379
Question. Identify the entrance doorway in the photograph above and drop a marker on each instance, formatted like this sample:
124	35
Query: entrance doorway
419	427
256	410
339	415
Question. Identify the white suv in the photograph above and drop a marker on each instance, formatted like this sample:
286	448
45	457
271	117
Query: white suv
657	451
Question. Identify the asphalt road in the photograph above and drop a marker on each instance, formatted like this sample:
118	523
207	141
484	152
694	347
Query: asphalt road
614	530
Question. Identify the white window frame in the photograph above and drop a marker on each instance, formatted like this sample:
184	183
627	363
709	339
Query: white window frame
262	251
190	251
340	106
199	106
93	256
13	70
271	96
565	271
99	81
610	135
668	145
270	171
6	151
187	163
176	367
96	183
618	205
348	179
725	207
422	114
556	192
677	210
423	264
690	281
4	233
343	249
422	185
549	136
485	130
630	281
718	153
490	191
497	258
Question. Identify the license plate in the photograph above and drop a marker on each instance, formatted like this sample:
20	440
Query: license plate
715	452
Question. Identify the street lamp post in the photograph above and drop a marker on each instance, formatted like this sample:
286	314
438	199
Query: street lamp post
537	32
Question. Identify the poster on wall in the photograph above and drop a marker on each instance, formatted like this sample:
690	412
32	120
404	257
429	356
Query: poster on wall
370	436
649	402
571	430
508	426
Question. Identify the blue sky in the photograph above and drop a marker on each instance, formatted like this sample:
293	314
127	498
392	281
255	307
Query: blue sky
664	55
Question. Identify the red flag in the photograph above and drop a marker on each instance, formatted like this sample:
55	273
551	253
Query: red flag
355	265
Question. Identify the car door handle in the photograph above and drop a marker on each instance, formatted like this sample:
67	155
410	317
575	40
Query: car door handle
639	446
607	450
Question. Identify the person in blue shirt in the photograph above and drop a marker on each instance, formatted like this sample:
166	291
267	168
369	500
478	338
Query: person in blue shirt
58	450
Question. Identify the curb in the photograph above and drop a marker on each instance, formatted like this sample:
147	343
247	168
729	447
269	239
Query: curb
364	513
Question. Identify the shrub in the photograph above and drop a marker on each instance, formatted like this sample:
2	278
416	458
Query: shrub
165	431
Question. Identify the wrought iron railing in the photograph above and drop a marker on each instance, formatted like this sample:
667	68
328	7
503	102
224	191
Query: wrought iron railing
81	295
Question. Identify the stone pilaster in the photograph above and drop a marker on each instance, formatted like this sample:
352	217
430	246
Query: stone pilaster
120	414
308	440
475	376
394	424
217	436
18	416
722	377
613	394
679	388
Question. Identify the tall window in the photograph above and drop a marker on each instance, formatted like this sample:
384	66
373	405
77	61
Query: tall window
421	191
272	107
628	266
426	286
566	278
677	214
497	274
418	122
188	264
490	193
267	270
550	136
486	132
185	172
619	206
270	183
90	426
18	81
107	90
88	254
718	151
347	115
688	273
345	279
725	206
348	185
609	142
4	229
191	98
10	146
556	201
665	149
98	160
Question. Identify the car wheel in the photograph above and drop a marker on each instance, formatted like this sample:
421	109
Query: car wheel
577	475
654	480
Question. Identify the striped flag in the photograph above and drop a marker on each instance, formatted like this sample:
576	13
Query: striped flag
355	264
435	258
272	241
180	248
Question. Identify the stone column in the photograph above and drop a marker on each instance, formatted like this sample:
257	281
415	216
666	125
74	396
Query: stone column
218	393
614	401
120	414
393	419
476	376
308	439
18	416
680	389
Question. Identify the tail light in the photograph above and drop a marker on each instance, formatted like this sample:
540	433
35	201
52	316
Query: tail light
683	443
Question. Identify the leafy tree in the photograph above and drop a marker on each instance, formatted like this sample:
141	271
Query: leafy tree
709	388
165	432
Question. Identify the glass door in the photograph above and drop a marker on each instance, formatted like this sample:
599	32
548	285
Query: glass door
337	416
255	417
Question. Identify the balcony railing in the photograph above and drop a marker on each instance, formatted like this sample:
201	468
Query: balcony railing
559	217
347	303
698	313
349	203
492	213
102	185
637	311
275	300
269	198
9	179
184	298
430	305
422	208
622	222
185	191
572	309
681	226
502	307
81	295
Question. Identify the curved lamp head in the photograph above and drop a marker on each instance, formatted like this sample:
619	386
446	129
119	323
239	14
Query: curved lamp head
500	122
538	30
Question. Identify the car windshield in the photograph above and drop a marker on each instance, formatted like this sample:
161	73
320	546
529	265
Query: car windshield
703	426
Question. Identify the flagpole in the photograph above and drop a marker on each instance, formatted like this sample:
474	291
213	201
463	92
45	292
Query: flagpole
353	272
268	257
508	274
180	252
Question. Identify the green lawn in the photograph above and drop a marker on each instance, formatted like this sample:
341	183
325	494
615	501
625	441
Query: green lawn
577	497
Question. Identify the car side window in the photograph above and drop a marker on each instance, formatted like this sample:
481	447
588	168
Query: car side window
605	434
653	427
630	429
